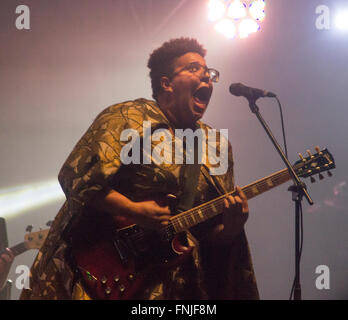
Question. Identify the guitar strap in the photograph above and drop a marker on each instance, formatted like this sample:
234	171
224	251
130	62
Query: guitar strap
191	174
190	177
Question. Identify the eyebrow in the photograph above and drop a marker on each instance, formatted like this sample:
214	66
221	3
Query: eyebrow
196	62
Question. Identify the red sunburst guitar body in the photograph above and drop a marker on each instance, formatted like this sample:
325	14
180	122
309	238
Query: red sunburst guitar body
119	266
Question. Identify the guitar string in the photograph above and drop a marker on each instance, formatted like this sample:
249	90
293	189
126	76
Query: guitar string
218	203
278	178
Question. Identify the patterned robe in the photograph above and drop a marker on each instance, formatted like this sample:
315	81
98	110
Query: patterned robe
216	271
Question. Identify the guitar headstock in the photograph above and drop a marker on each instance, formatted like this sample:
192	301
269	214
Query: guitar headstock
316	163
34	240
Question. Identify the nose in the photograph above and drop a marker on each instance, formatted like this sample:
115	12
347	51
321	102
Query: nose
206	76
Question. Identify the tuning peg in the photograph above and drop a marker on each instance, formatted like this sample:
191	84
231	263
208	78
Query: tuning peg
29	228
321	177
329	173
312	180
317	149
49	223
301	157
309	153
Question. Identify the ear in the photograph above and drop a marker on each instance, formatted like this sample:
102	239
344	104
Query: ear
166	84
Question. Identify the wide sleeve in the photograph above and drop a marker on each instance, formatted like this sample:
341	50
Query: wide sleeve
95	159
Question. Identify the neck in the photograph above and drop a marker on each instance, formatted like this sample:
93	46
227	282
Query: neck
167	108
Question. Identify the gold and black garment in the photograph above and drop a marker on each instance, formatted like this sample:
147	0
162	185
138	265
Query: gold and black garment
93	168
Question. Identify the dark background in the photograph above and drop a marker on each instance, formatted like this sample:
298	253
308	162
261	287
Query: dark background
81	56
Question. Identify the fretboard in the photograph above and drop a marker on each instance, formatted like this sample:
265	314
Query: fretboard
19	248
185	220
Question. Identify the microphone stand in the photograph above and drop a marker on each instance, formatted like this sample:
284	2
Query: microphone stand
298	191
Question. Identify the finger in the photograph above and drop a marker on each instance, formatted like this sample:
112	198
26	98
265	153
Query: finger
245	207
241	193
232	200
163	217
6	258
160	211
218	228
10	253
238	199
227	205
164	220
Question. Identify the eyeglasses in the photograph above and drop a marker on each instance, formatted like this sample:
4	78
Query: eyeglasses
196	67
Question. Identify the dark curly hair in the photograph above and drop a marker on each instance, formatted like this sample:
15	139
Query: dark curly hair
161	60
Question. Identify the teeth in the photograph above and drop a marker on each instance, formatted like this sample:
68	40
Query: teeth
202	94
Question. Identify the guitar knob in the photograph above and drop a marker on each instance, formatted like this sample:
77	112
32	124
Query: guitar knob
121	287
108	290
104	279
131	277
116	278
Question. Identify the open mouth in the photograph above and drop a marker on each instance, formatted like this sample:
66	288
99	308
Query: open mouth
202	96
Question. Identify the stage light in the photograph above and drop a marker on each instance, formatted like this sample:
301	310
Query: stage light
341	20
257	10
16	200
227	28
216	10
236	10
246	27
246	14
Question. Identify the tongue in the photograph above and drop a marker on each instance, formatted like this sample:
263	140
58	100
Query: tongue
199	104
198	99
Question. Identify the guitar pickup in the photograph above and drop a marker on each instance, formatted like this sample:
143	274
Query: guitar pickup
121	249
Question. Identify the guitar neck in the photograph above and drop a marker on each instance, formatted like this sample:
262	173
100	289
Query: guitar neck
185	220
33	240
19	248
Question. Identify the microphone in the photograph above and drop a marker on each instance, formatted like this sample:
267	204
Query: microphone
239	89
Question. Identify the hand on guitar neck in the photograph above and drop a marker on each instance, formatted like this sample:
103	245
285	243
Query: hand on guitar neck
6	260
235	215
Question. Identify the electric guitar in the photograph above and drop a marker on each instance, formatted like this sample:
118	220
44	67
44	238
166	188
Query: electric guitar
117	267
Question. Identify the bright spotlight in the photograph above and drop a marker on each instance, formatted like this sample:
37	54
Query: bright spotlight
247	14
247	26
216	10
227	28
342	20
237	10
257	10
22	198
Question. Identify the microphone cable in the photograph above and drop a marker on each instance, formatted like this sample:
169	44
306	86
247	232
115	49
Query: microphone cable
300	206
